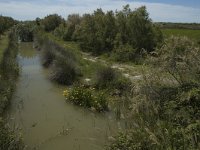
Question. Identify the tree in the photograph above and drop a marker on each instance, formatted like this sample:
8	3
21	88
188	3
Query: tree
72	22
25	31
6	23
104	32
50	22
141	30
37	20
85	33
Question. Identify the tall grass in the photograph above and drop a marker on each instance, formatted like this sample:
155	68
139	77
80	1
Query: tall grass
64	71
9	71
48	55
9	139
105	76
108	78
63	62
192	34
3	45
165	107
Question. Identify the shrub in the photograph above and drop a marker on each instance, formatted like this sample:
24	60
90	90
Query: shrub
80	95
108	78
9	139
50	22
105	76
6	23
60	31
8	74
165	108
124	53
8	71
25	32
64	71
100	102
87	97
122	84
48	55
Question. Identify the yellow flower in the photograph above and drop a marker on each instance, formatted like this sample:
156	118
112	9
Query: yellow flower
65	93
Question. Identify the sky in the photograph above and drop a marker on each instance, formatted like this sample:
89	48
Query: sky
159	10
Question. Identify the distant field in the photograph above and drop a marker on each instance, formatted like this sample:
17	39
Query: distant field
3	45
193	34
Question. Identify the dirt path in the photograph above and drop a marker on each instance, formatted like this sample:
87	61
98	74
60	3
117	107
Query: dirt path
128	71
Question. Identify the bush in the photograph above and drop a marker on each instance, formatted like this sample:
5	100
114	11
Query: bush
87	97
100	102
6	23
60	31
105	76
80	95
122	84
9	140
108	78
48	55
165	108
64	71
8	74
124	53
8	71
25	32
50	22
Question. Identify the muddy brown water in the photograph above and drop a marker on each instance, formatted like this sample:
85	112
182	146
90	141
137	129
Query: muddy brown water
46	120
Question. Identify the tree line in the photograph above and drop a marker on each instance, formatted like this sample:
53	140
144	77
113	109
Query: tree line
6	23
126	33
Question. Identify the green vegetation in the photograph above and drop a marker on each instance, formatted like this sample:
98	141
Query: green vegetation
48	56
69	68
101	32
170	25
192	34
165	110
3	45
52	45
87	97
25	31
6	23
9	139
108	78
8	71
65	69
124	53
50	22
104	77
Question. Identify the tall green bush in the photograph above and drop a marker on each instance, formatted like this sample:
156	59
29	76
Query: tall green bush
64	71
50	22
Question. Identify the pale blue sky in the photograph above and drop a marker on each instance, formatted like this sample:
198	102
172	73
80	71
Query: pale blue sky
159	10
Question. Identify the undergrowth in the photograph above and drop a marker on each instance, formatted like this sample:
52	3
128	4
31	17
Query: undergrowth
165	107
9	140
